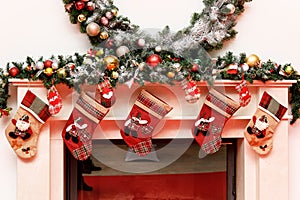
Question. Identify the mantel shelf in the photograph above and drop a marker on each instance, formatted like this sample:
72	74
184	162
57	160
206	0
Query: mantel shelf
217	83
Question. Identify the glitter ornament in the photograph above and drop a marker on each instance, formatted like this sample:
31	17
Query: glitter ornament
92	29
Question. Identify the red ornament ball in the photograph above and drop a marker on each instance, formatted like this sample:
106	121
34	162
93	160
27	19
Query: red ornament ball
195	67
79	5
153	60
48	63
14	71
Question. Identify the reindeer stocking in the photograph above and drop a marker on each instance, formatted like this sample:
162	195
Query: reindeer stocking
145	114
215	112
260	130
78	131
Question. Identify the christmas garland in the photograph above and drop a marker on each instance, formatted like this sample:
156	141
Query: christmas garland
125	54
161	67
99	20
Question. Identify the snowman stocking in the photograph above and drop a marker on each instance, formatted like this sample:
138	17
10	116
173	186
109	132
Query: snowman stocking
215	112
78	131
260	130
145	114
24	129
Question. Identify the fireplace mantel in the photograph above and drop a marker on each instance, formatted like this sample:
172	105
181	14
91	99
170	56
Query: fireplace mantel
43	176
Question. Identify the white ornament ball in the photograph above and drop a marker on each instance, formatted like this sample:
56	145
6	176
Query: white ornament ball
39	65
245	67
122	50
158	48
230	7
54	65
141	42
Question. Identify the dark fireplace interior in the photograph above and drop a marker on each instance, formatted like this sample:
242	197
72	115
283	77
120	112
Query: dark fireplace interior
175	170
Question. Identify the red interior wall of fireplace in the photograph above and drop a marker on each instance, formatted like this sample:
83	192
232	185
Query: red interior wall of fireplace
204	186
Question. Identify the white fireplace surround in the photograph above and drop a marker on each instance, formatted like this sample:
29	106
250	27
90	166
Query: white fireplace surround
257	177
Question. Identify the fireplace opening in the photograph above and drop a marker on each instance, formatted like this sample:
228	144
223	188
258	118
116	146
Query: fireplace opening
169	172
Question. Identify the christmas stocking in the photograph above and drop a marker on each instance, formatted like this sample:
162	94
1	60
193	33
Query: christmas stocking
260	130
145	114
105	93
24	129
215	112
192	92
78	131
55	101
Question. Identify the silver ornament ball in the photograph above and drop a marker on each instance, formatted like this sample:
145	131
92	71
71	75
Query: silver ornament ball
122	50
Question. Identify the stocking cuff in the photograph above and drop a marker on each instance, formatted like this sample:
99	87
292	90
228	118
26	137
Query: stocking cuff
35	106
221	103
271	106
152	104
91	108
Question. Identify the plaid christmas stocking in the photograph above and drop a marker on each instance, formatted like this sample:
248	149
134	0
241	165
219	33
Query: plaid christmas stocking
260	129
215	112
145	114
23	131
78	131
105	93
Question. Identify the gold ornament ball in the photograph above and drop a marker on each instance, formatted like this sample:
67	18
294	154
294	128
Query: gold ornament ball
111	62
48	71
288	70
115	75
61	73
104	35
114	11
81	18
252	60
170	74
93	29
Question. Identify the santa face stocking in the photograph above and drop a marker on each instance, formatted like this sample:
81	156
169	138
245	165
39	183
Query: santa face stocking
24	129
105	93
215	112
145	114
260	130
78	131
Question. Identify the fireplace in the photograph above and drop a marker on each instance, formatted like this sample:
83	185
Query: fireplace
127	176
253	172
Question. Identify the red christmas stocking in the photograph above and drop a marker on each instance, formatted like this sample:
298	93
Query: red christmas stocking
215	112
260	130
55	101
24	130
78	131
145	114
105	93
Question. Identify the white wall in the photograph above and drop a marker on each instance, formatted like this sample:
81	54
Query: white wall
41	28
